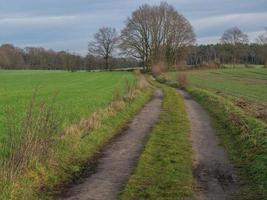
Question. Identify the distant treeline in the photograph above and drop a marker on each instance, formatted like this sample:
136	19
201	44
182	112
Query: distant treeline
12	57
216	54
203	55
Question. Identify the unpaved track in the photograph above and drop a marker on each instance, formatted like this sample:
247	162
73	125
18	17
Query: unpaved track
119	157
213	172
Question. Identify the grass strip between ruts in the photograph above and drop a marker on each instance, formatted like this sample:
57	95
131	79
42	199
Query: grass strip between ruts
164	170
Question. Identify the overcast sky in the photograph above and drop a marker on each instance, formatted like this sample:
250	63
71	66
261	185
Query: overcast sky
70	24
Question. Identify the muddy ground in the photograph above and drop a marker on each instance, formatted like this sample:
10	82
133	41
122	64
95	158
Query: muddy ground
214	174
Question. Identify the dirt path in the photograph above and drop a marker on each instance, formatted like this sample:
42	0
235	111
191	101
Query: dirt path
212	170
119	157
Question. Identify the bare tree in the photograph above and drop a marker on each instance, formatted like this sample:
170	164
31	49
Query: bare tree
11	56
104	43
234	36
157	34
234	39
135	36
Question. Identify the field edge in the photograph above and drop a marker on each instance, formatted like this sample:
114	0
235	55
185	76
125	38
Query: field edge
244	139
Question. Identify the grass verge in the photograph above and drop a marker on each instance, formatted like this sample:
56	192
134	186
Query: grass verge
164	170
64	154
245	139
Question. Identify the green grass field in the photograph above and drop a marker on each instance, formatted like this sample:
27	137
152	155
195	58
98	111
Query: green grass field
242	82
78	94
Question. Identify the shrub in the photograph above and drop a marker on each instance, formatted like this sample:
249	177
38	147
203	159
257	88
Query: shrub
158	68
182	80
161	79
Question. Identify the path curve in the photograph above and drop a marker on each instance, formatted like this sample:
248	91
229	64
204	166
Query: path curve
119	157
213	171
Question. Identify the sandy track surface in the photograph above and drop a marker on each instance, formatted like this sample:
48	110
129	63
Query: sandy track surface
213	171
119	158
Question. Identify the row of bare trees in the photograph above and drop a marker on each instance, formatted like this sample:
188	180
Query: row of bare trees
153	34
12	57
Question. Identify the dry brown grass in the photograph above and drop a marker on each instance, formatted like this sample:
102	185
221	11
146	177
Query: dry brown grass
158	68
250	107
182	80
142	83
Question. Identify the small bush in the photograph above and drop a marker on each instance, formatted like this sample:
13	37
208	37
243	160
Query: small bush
161	79
158	68
182	80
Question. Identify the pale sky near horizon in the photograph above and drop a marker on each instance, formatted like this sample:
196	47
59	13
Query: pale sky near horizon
70	24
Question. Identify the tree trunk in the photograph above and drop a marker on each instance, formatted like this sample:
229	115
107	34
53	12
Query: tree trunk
107	63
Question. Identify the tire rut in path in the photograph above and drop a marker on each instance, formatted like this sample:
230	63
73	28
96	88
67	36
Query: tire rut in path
119	157
213	171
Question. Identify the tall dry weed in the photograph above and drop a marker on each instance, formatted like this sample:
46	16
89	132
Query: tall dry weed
158	68
182	80
30	140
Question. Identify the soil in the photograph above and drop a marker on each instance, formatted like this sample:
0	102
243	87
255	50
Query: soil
213	171
118	159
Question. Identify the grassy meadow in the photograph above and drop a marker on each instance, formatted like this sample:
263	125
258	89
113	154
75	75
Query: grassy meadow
250	83
77	94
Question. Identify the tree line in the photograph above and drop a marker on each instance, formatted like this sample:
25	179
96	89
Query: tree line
234	48
155	37
12	57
